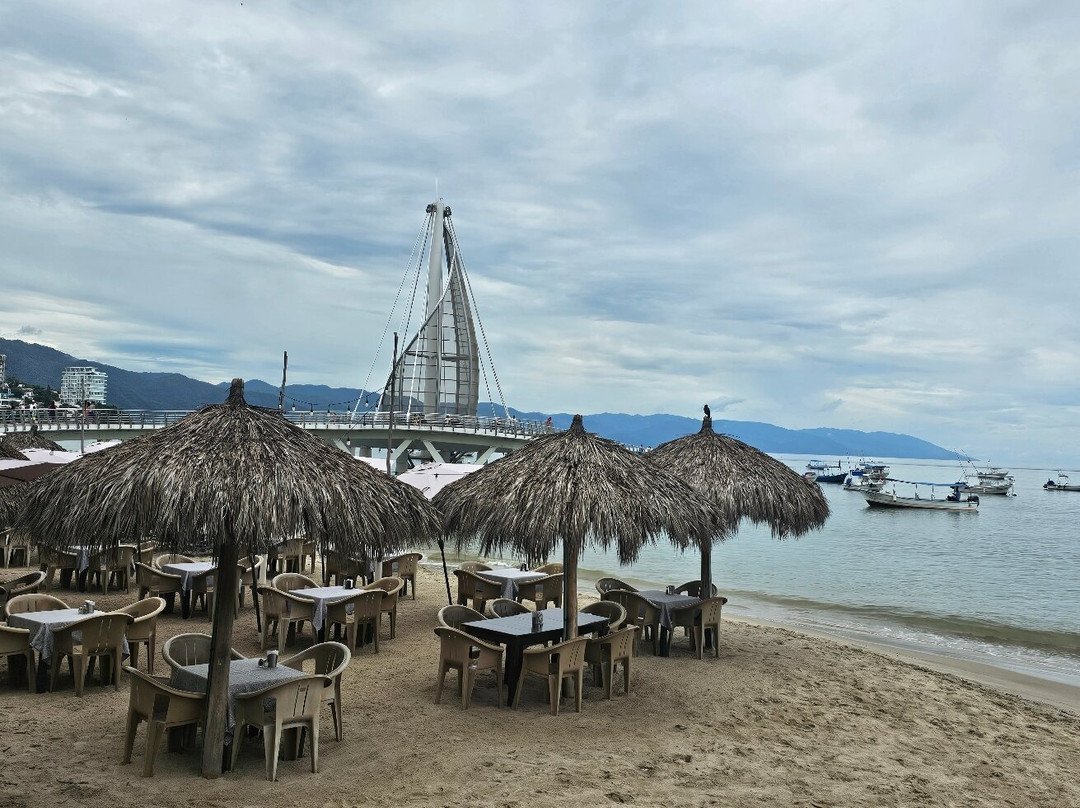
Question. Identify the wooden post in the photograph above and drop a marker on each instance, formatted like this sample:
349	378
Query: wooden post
569	603
706	589
226	580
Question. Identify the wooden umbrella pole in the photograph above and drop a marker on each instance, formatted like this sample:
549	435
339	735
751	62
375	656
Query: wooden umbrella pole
570	610
706	585
217	685
255	589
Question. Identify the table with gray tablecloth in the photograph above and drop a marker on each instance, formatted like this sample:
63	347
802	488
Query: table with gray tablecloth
41	625
322	597
245	676
510	578
666	603
188	570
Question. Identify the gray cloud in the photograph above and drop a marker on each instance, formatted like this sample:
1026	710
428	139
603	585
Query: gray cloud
859	216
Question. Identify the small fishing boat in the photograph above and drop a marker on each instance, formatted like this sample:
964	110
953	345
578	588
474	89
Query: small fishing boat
824	473
955	501
1060	484
866	477
991	480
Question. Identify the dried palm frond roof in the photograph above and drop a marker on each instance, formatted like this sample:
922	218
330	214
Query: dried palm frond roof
575	487
744	482
10	451
230	472
11	501
31	440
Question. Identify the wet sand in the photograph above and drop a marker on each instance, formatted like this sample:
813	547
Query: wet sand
781	718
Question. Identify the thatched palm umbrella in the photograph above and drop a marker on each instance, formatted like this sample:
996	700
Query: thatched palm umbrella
11	502
238	476
9	451
577	489
742	482
31	440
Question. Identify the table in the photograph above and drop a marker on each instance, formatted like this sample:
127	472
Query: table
41	625
510	578
245	676
665	602
188	570
517	634
322	596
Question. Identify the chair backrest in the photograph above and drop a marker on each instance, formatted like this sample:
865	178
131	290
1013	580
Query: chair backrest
187	649
152	697
23	585
14	640
620	642
454	615
144	611
639	611
391	586
100	632
571	654
406	564
119	557
294	700
504	607
472	585
550	586
553	568
288	581
614	612
605	585
366	605
249	575
292	548
710	609
171	558
21	604
693	589
459	647
473	566
146	552
155	580
329	659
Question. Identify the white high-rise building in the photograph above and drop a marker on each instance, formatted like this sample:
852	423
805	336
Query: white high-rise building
83	384
3	370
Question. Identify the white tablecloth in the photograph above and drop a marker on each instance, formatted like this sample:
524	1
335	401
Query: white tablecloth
510	578
322	596
187	570
41	625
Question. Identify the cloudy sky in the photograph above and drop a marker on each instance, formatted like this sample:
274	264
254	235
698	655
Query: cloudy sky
859	215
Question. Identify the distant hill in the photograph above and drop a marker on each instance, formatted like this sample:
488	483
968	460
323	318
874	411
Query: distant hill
38	364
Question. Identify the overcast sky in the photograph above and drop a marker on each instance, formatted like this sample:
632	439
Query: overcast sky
860	215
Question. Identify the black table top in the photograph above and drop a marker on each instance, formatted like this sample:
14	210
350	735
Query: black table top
519	626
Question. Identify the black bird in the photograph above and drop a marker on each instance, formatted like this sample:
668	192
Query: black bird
707	411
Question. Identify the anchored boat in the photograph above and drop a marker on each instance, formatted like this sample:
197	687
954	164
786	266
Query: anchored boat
1061	484
956	500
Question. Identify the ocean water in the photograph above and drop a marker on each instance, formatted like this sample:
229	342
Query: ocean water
1000	586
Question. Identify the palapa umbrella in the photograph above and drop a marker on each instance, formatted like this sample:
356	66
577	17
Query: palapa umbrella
239	476
11	500
8	451
577	489
31	440
741	482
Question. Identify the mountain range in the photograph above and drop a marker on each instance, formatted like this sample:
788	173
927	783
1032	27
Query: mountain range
127	389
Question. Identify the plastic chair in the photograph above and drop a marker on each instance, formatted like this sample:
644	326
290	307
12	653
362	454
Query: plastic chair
290	555
112	564
288	581
162	707
201	588
99	635
292	704
182	650
555	663
17	547
144	629
473	566
54	560
605	585
640	612
454	615
171	558
542	591
154	582
693	589
604	653
614	612
504	607
392	588
339	567
23	585
698	618
15	642
554	568
329	659
468	656
249	577
20	604
366	612
407	564
144	553
479	590
285	612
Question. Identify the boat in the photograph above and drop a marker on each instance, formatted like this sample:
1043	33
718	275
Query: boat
823	472
955	501
991	480
1061	484
866	477
816	465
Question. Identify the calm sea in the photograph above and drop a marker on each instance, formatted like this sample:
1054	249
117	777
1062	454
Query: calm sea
1000	586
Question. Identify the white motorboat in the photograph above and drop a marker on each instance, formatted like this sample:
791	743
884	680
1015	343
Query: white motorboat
1060	484
955	501
866	477
991	480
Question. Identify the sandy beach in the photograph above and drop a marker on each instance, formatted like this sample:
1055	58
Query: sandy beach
780	718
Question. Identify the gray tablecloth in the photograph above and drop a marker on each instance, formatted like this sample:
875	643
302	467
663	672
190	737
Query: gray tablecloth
41	625
245	676
510	578
82	558
187	570
667	602
322	596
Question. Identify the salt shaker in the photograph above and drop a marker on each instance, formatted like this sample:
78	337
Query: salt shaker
271	659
